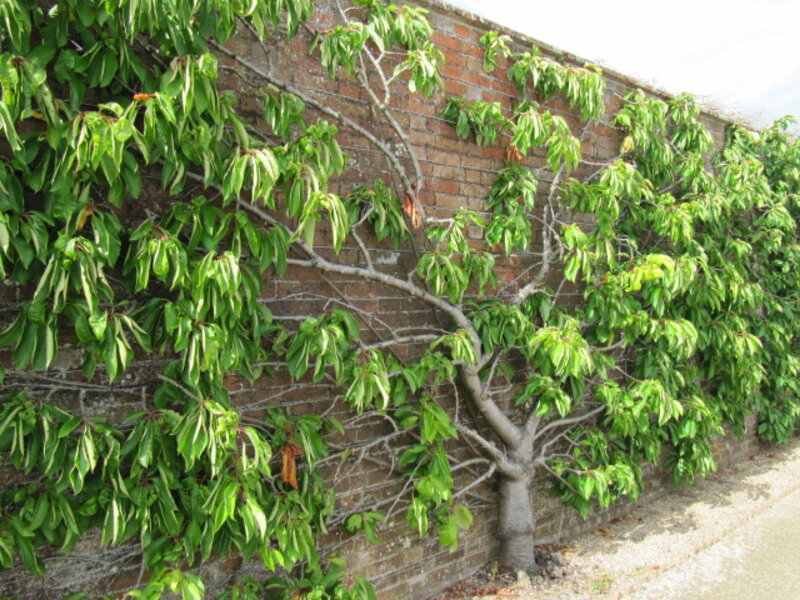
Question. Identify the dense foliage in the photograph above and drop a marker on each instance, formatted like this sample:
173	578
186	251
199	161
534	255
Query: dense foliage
97	99
141	213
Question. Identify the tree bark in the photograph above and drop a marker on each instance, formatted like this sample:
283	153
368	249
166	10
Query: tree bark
517	524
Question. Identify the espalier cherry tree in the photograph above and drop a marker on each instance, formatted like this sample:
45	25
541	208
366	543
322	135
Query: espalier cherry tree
140	214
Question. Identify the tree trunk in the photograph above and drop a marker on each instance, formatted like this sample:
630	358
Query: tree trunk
517	549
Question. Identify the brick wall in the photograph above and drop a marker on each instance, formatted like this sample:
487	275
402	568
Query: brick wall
457	174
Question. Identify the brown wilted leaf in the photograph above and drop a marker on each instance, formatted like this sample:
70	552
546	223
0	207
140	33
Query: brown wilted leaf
289	454
513	154
410	208
84	215
143	97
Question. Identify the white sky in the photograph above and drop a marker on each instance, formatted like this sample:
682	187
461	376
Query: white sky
739	56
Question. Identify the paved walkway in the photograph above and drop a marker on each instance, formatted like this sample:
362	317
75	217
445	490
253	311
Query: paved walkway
735	536
759	560
752	552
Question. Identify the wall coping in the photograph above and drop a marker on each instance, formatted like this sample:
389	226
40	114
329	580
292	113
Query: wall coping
523	38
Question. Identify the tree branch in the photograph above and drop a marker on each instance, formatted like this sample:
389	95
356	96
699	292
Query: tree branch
384	109
487	475
411	339
569	421
347	121
500	458
534	285
497	419
318	262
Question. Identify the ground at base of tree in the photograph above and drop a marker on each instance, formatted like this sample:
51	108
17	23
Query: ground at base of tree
732	536
492	580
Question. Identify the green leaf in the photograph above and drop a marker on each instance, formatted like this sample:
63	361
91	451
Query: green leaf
192	587
462	516
448	534
8	128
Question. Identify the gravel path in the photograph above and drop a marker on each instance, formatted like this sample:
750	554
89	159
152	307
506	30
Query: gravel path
733	536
